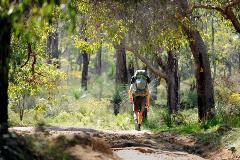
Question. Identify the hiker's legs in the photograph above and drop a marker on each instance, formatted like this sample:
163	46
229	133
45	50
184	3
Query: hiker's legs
140	117
139	105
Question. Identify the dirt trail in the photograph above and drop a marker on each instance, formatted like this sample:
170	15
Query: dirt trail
129	145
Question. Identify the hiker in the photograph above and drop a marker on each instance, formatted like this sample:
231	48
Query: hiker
139	96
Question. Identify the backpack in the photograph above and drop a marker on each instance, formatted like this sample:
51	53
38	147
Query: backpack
140	80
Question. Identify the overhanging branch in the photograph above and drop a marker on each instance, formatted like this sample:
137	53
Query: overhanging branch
145	61
206	6
226	11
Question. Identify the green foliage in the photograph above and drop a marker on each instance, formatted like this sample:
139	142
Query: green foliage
185	122
95	25
228	103
189	99
30	75
77	93
61	108
85	46
117	97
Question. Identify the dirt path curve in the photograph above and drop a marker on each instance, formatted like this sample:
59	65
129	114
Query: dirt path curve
130	145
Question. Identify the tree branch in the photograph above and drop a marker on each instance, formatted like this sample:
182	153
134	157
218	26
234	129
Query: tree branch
206	6
232	3
232	17
226	11
34	58
145	61
28	58
160	62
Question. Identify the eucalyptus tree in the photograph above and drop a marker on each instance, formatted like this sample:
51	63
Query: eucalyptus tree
152	31
178	26
206	106
138	27
12	20
102	27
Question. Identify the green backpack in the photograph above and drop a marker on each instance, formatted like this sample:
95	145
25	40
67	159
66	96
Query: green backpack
140	80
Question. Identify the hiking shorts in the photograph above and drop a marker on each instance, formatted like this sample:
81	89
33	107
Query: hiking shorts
139	103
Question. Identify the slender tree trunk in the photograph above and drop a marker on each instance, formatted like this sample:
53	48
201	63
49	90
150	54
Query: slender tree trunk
98	62
172	84
79	60
213	50
121	68
22	107
5	36
239	59
52	46
85	70
130	70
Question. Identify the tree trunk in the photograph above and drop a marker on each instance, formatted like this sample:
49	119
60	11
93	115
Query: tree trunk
172	84
85	70
22	106
130	70
239	59
206	108
52	46
213	50
79	60
98	62
121	68
5	36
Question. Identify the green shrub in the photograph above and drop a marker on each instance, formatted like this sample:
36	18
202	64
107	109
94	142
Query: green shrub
117	97
229	114
188	100
228	106
77	93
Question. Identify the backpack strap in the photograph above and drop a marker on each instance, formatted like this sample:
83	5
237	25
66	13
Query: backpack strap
133	79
